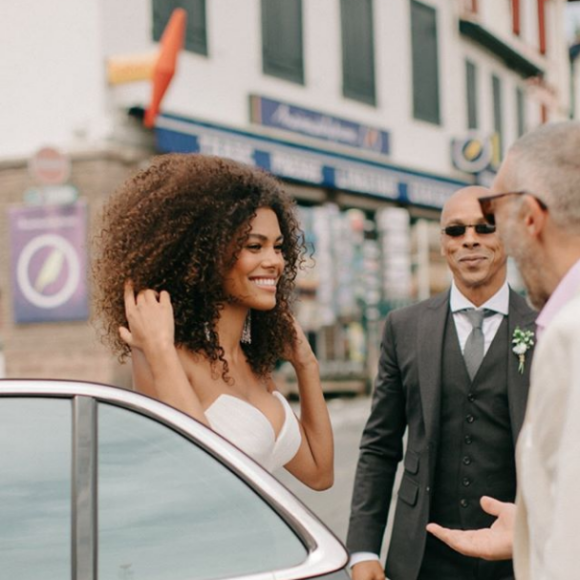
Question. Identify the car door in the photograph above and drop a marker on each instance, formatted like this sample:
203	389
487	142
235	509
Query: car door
102	483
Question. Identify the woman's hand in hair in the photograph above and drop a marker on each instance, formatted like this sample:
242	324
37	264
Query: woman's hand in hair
150	317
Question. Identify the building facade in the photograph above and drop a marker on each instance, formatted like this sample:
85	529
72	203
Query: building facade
372	113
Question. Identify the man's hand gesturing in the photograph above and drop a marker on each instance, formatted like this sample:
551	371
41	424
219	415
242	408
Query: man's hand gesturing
495	543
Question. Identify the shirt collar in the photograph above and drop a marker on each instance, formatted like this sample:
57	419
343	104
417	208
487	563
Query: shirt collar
564	292
499	302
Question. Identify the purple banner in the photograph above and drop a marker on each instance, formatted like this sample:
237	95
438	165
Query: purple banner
49	262
271	113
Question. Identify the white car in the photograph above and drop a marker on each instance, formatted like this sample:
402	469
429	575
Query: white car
101	483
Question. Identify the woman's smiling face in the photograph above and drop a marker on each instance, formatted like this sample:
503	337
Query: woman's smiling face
253	279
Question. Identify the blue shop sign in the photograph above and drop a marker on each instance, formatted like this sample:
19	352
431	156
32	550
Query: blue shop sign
271	113
304	164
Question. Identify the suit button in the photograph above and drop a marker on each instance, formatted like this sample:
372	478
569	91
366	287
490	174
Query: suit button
470	418
466	481
468	440
466	460
471	397
428	489
463	503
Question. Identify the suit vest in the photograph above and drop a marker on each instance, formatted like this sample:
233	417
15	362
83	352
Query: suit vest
476	452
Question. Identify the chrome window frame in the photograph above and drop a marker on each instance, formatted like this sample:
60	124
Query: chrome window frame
326	554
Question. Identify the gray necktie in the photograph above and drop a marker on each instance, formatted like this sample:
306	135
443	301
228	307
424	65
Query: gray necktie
474	347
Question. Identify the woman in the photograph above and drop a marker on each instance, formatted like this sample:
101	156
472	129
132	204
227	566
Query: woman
194	272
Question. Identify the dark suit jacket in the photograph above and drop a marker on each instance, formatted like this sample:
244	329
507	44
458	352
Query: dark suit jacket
407	395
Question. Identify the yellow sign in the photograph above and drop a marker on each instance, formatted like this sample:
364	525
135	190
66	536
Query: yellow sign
474	153
130	68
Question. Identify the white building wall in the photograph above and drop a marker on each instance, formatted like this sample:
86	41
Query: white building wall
216	88
417	143
558	58
496	16
529	22
58	92
52	75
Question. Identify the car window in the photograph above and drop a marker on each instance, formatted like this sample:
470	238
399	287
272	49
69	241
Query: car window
35	488
169	510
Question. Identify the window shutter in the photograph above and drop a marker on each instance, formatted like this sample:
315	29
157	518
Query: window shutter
196	30
358	53
471	93
425	57
282	50
521	111
497	112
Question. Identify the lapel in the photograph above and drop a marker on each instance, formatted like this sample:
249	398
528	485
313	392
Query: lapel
431	329
520	314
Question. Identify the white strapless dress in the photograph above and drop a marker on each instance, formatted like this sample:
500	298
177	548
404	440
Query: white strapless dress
248	428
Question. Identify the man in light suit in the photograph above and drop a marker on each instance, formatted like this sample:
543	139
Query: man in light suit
457	387
536	204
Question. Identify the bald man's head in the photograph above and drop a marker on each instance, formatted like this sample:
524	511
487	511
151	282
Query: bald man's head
473	193
471	247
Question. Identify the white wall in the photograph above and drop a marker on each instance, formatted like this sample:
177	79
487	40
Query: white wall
558	59
51	70
58	93
217	88
496	16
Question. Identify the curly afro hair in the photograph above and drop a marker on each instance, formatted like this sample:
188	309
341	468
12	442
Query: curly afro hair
171	227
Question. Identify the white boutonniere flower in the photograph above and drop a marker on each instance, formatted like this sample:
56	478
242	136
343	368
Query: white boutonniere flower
522	341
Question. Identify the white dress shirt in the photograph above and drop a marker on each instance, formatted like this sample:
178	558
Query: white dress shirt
499	303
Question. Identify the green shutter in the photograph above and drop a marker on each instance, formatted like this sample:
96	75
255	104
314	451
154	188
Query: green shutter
471	94
497	111
282	50
358	51
196	30
425	57
521	111
161	13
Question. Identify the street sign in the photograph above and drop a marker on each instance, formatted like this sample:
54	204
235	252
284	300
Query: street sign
472	153
49	166
49	262
130	68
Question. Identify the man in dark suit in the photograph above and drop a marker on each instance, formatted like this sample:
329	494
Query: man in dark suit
448	375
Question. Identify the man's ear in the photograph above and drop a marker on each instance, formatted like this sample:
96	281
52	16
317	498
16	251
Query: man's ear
535	216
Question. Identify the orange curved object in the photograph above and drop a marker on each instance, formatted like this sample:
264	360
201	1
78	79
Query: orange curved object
171	44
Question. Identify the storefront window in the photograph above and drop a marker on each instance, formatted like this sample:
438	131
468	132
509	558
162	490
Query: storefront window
361	265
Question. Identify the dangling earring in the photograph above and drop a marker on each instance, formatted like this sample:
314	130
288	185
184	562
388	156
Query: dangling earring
247	330
206	331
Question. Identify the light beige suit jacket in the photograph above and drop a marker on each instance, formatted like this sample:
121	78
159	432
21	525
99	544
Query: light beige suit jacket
547	535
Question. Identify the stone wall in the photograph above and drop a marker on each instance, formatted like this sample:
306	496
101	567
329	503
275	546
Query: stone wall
64	350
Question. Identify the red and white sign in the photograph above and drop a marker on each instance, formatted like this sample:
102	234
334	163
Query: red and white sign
49	166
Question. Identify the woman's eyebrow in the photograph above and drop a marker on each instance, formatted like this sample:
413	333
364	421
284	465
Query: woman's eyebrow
264	238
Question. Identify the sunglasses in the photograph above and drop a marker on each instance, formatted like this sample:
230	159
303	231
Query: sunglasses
486	204
458	230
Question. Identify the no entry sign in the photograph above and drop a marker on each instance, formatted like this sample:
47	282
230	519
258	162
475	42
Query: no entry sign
49	166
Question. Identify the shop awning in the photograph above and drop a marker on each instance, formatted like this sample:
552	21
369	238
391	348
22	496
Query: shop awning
305	164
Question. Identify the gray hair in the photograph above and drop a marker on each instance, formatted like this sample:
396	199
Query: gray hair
547	163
